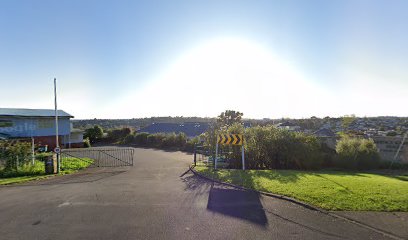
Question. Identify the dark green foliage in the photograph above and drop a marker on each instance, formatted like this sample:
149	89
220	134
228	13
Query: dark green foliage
141	139
94	133
357	153
14	154
118	135
87	143
269	147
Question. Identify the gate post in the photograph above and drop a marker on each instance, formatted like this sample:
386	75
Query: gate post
195	155
99	157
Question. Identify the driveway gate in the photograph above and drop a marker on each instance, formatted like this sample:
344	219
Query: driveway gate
96	157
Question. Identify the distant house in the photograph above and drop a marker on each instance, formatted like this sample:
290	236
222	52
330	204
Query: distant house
190	129
324	132
18	123
288	126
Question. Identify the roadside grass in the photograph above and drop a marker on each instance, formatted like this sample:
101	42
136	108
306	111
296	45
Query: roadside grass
330	190
14	180
31	172
72	164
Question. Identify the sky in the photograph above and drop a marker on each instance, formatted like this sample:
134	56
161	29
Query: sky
267	59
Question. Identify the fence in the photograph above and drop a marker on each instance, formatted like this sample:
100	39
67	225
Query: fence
97	157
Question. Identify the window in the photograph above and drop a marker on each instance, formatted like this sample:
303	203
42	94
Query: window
6	123
45	123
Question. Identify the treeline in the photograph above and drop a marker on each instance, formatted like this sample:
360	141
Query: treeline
267	147
127	136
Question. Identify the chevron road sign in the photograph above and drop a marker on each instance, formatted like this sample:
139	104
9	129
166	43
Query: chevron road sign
230	139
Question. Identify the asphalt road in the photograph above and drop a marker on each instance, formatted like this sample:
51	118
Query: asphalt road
151	201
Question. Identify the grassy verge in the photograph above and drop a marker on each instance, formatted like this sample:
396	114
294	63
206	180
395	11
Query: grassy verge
37	171
330	190
13	180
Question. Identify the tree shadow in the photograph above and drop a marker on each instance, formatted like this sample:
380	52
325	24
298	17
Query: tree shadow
237	203
230	201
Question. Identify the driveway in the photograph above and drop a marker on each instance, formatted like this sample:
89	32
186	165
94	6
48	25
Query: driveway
151	201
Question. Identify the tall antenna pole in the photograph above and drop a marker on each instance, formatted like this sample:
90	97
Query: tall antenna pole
56	124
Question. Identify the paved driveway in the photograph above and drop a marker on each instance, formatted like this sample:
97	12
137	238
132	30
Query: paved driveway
151	201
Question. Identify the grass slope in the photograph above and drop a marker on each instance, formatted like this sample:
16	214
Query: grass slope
329	190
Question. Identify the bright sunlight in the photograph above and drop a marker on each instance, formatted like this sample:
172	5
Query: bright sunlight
229	73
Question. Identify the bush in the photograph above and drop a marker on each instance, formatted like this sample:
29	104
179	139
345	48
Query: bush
357	153
141	139
129	139
94	133
87	143
16	154
118	135
189	145
269	147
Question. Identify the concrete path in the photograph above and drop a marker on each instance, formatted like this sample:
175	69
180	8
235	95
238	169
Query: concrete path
151	201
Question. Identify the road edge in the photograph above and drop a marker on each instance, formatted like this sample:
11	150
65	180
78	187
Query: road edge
300	203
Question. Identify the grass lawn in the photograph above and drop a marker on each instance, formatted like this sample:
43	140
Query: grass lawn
29	173
330	190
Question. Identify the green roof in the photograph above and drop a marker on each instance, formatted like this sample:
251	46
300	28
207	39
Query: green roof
22	112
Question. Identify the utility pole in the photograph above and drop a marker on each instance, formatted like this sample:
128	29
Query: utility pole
56	126
399	149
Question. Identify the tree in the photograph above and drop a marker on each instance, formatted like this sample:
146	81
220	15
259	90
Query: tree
357	153
346	121
229	117
94	133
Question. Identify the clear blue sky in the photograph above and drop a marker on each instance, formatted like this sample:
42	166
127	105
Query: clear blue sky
272	59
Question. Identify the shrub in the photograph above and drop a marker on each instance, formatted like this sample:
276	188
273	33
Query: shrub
94	133
357	153
129	139
87	143
118	135
269	147
141	139
169	140
16	154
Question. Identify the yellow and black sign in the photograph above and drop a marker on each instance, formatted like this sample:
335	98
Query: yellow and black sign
230	139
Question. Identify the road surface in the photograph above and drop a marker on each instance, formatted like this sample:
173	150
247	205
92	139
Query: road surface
151	201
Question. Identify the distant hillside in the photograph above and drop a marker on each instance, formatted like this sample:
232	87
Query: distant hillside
135	122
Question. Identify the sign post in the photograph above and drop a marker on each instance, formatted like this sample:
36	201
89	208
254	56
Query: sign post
56	127
230	139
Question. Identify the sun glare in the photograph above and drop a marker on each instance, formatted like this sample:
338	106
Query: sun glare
224	74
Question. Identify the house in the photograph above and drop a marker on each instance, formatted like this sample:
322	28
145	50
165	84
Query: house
324	132
288	126
18	123
191	129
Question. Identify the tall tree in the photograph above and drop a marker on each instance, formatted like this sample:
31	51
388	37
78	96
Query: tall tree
94	133
229	117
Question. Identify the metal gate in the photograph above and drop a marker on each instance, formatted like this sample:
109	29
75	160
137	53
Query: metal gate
79	158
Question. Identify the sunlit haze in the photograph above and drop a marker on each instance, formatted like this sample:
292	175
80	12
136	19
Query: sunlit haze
266	59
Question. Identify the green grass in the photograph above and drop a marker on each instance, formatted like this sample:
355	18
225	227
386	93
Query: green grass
330	190
37	171
71	164
13	180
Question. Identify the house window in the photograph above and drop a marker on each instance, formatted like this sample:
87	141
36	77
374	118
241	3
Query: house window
6	123
45	123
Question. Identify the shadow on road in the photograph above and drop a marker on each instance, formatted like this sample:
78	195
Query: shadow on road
237	203
229	201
